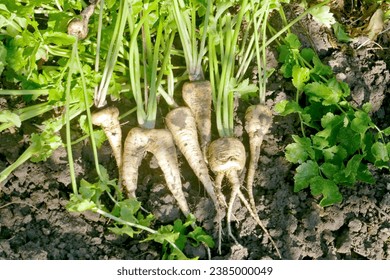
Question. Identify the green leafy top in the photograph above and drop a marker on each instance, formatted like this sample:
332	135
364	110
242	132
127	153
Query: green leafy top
342	140
128	218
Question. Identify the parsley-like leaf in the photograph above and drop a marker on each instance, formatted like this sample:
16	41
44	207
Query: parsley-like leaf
323	15
305	172
327	188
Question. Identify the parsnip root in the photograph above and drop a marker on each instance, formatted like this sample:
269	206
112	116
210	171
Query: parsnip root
108	120
197	96
258	119
181	123
227	158
160	143
79	27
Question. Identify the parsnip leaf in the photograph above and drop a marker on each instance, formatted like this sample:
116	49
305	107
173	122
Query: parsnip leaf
299	151
286	107
200	236
300	75
321	93
293	41
381	155
304	173
338	137
323	15
327	188
340	33
319	68
7	116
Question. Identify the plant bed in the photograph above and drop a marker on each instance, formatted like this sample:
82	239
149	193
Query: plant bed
35	224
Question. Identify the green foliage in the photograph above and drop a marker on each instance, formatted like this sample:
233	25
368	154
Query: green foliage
7	116
323	15
129	219
340	33
99	135
343	140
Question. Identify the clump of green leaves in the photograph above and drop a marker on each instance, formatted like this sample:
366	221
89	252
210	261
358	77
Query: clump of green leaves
338	141
127	217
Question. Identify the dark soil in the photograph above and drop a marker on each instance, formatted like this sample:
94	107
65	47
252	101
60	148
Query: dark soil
34	223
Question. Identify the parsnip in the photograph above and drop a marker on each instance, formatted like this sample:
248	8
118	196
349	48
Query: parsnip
160	143
181	123
134	150
197	96
258	119
79	27
227	158
108	120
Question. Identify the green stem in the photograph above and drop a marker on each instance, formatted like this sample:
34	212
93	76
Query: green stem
29	113
299	113
288	26
141	227
27	154
67	123
32	149
184	37
88	111
116	43
135	76
152	104
264	56
225	98
99	36
35	92
202	48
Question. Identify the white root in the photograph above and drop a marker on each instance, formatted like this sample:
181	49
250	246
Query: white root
181	123
226	153
197	96
227	158
134	150
258	119
108	120
159	142
79	27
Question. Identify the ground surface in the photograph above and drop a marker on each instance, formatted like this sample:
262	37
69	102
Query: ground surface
34	223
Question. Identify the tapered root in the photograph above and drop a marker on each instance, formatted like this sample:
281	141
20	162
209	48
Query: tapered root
134	151
232	176
159	142
227	158
181	122
108	120
161	145
197	96
79	27
258	119
222	202
257	219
